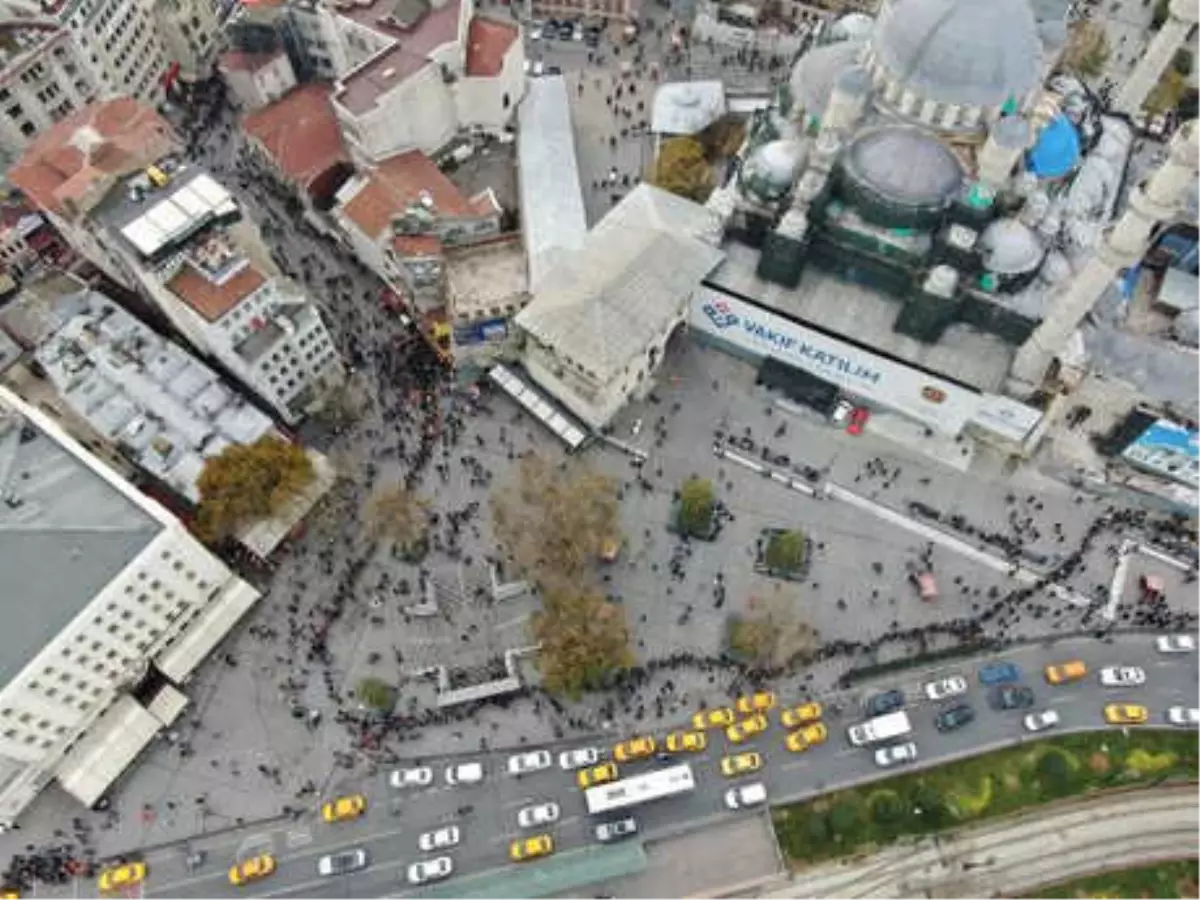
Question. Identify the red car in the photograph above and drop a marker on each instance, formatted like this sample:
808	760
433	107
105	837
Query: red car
858	419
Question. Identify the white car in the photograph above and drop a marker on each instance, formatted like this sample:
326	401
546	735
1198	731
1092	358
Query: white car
1183	716
533	761
895	755
570	760
535	33
542	814
421	776
464	773
1122	676
439	839
430	870
606	832
951	686
342	863
1175	643
746	795
841	412
1040	721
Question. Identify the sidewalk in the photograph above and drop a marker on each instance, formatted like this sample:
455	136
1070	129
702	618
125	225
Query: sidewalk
1017	855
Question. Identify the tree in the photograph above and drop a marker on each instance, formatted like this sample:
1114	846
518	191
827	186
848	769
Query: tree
772	633
845	817
697	505
246	483
398	514
887	808
1162	11
584	641
375	693
1087	50
1056	775
683	169
344	404
554	519
723	138
1168	93
786	551
930	803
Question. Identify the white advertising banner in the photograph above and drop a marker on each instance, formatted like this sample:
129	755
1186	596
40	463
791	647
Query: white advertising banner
936	402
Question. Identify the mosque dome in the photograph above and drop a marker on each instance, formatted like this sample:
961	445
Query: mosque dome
852	27
904	167
768	174
817	71
1010	248
969	52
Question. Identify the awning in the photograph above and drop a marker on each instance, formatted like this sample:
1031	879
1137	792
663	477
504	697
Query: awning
179	661
113	742
534	403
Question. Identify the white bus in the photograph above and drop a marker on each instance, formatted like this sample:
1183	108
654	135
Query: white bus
639	789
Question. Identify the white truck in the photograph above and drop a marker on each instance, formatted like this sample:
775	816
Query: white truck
881	728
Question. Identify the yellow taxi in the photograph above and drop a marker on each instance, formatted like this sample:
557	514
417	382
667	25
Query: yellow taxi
10	893
635	748
120	877
1126	714
760	702
523	849
801	715
686	741
799	741
601	774
747	728
1063	673
740	764
343	808
721	717
252	869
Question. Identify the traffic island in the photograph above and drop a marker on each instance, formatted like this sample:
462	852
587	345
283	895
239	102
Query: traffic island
783	553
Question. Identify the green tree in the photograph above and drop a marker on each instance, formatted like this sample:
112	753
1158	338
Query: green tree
553	519
1087	49
697	506
246	483
845	818
683	169
584	641
1168	93
887	809
1183	62
375	693
786	551
1162	11
816	828
396	513
931	805
1056	776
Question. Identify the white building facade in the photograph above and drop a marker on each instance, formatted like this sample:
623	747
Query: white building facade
111	605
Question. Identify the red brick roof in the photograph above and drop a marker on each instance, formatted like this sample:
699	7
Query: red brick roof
487	43
239	61
362	87
396	184
409	245
300	133
213	300
54	170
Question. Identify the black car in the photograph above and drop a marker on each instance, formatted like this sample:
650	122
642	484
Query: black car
1011	696
954	718
882	704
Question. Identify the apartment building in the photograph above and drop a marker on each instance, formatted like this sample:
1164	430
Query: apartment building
190	31
109	607
120	41
44	77
112	181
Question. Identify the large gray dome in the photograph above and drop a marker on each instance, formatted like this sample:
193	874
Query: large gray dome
971	52
905	166
817	71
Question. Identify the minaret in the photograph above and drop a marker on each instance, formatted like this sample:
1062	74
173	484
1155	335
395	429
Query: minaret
1160	54
1158	199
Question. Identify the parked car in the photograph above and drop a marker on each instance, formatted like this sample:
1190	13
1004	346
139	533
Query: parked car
1122	676
464	773
606	832
954	718
1011	696
950	686
999	672
420	776
858	420
746	795
533	761
895	755
1040	721
1175	643
882	704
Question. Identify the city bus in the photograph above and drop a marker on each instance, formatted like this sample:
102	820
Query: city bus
664	782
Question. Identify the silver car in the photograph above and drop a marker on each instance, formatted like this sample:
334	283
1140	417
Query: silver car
1122	676
342	863
607	832
950	686
896	755
1175	643
570	760
533	761
542	814
421	776
430	870
439	839
1040	721
1183	716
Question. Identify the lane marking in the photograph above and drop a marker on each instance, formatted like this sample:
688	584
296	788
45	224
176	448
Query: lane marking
299	838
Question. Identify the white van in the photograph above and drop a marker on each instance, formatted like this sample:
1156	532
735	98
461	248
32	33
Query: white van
464	773
881	728
746	795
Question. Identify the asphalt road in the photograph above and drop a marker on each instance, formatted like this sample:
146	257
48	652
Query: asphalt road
391	838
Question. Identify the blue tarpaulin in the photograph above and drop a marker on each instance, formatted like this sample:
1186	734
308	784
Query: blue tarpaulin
1057	150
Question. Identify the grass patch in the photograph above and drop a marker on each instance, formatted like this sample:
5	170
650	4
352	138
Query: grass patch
994	784
1170	879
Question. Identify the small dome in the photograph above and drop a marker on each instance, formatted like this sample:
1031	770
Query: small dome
1010	248
1056	269
973	52
904	165
770	170
852	27
817	71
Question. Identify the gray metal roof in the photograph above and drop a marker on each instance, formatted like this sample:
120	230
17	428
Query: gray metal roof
602	306
64	534
552	214
905	165
1161	370
978	52
687	107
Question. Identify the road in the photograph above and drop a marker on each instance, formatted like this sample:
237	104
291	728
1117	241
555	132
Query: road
1018	854
391	839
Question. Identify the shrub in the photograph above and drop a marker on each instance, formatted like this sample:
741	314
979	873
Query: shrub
697	505
1142	762
931	805
786	551
1057	776
968	805
845	816
886	807
816	829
